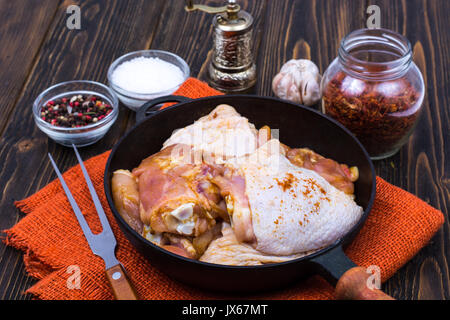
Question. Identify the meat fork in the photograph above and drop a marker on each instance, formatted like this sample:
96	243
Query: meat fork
104	243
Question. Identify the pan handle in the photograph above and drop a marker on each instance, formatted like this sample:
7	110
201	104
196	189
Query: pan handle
153	106
350	280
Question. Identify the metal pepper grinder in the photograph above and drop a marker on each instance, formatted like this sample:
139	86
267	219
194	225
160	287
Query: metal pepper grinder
232	68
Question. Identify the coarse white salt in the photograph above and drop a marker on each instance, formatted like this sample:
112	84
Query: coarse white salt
147	75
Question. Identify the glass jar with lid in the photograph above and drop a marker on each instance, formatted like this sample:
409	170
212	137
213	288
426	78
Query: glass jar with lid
374	89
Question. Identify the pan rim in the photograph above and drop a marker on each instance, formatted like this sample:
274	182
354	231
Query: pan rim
346	239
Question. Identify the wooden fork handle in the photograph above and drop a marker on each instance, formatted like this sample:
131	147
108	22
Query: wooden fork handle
120	284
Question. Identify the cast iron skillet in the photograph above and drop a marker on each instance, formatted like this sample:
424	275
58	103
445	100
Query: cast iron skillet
298	127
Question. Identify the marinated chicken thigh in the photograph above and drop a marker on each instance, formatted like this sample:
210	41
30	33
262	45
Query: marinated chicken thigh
223	192
176	195
228	250
290	209
218	136
338	175
126	197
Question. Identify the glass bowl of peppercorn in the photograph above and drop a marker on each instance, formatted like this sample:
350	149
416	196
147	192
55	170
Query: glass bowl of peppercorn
76	112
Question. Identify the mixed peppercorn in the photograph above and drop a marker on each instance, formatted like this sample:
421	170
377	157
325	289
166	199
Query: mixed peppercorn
75	111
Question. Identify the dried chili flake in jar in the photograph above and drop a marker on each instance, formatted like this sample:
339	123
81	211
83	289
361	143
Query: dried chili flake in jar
374	89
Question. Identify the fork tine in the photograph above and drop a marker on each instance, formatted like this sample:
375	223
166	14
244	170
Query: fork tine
98	206
83	224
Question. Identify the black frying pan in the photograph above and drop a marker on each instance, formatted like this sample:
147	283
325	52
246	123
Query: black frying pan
299	127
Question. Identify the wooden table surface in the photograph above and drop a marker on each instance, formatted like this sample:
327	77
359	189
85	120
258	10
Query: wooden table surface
39	50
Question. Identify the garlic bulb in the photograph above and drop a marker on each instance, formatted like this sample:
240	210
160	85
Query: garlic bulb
298	81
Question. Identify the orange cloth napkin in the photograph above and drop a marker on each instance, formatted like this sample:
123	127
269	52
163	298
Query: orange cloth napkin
398	226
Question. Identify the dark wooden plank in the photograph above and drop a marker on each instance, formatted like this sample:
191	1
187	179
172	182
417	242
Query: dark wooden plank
108	30
24	26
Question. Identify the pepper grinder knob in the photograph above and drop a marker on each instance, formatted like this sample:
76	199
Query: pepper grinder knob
232	68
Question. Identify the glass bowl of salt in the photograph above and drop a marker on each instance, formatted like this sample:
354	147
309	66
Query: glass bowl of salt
140	76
